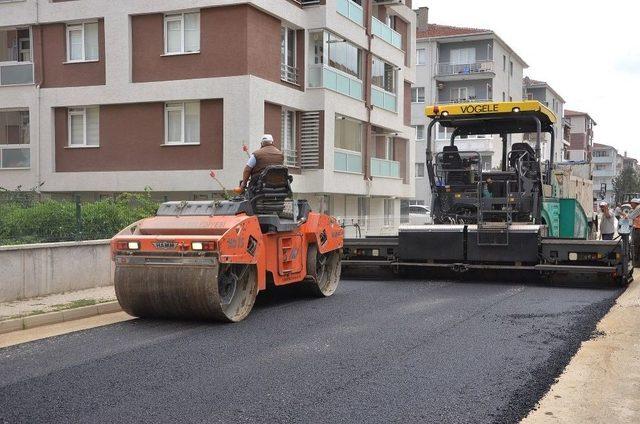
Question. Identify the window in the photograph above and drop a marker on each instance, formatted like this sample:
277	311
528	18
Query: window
504	97
444	133
389	206
419	132
418	209
182	123
529	96
383	75
388	148
462	94
363	211
289	146
84	125
344	56
504	63
14	139
182	33
600	153
348	134
419	170
463	56
82	42
511	68
510	98
421	56
348	145
417	95
602	166
288	70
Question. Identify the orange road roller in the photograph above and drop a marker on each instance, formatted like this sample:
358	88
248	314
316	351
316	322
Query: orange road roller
208	260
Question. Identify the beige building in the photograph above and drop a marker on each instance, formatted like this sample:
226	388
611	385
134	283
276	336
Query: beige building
99	97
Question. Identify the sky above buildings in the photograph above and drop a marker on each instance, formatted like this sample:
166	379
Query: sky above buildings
587	50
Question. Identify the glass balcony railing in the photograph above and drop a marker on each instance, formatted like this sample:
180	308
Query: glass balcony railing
383	99
385	168
15	73
323	76
385	32
347	161
351	10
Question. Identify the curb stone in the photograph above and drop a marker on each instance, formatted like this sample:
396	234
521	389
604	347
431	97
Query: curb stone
56	317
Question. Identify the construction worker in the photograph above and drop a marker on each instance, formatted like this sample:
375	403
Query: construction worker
266	155
607	223
634	214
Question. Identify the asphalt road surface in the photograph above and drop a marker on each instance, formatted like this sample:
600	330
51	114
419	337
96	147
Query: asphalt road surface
377	351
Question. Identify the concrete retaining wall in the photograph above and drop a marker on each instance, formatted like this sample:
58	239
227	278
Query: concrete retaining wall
32	270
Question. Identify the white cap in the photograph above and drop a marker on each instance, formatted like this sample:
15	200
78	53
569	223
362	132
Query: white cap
267	138
634	200
603	203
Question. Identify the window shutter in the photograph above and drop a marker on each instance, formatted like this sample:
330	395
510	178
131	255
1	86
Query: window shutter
310	140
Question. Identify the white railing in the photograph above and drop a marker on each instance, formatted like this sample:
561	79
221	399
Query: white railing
383	99
470	99
351	10
288	73
15	156
465	68
385	168
16	73
289	157
347	161
323	76
385	32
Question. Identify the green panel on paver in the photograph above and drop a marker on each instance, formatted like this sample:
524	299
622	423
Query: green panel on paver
551	215
573	220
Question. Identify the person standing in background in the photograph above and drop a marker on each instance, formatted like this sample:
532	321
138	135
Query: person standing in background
634	215
607	222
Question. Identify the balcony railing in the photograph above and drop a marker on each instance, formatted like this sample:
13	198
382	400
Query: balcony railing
385	32
465	68
470	99
385	168
383	99
16	73
347	161
289	73
351	10
323	76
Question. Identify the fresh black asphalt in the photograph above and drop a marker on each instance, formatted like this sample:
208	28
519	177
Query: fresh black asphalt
377	351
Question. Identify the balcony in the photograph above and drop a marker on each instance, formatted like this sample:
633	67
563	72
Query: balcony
476	70
323	76
16	66
347	161
289	73
385	168
383	99
351	10
385	32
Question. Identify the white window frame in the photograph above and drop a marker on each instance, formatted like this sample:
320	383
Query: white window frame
179	106
294	142
74	27
418	51
284	58
417	96
81	111
388	211
419	165
462	56
418	138
179	17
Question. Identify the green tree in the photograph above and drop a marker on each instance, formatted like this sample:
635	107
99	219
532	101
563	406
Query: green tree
627	182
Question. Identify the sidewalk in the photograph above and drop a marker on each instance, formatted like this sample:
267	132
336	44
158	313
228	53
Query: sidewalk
56	302
601	384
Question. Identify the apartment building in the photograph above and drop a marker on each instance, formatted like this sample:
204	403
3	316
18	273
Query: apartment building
103	97
606	165
581	135
455	65
545	94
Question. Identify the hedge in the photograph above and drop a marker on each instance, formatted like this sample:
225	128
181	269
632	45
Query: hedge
55	220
